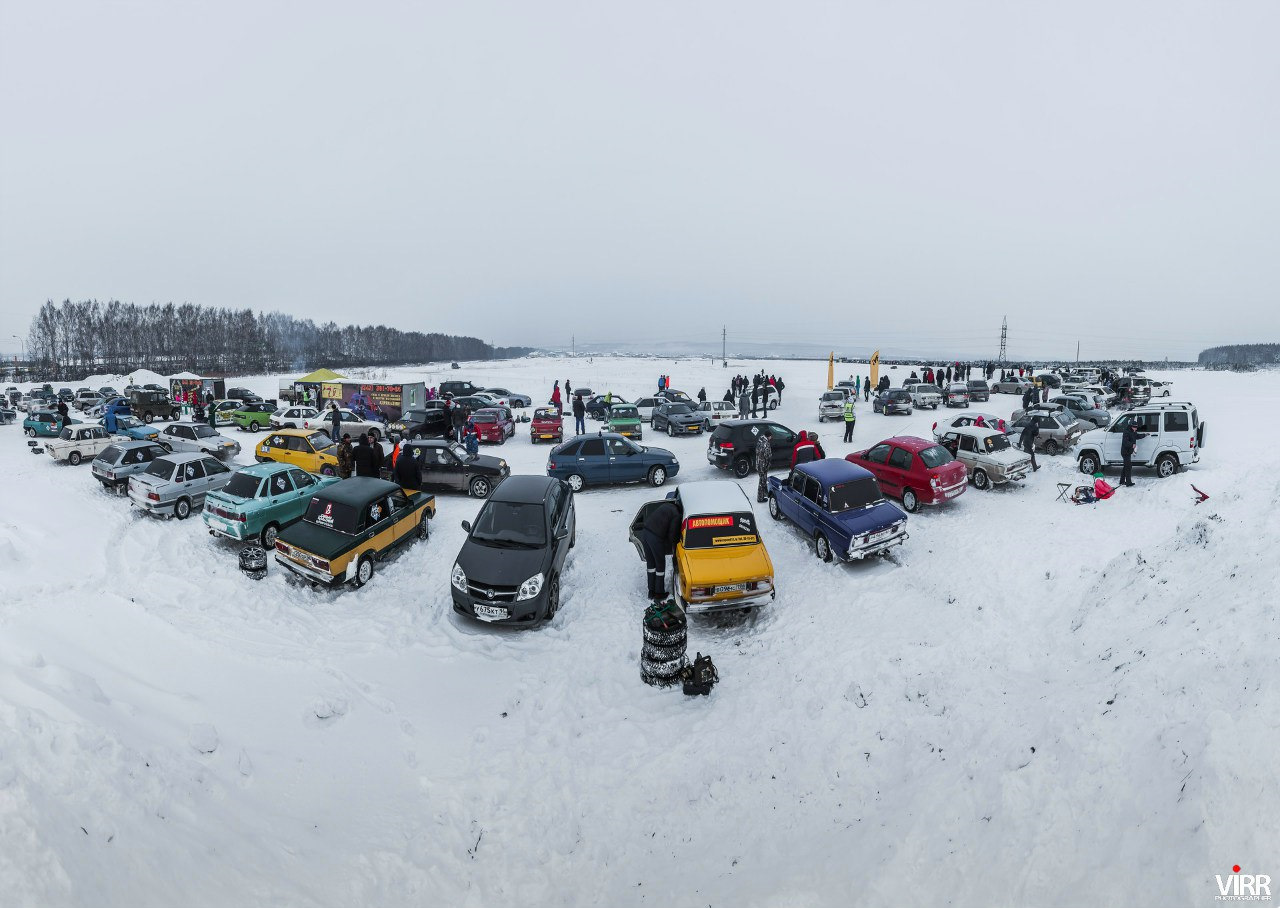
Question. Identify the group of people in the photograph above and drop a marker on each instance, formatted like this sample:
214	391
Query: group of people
752	395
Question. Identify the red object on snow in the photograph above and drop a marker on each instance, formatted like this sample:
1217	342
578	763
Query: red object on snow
1200	496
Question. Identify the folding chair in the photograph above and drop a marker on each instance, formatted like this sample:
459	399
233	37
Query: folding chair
1063	489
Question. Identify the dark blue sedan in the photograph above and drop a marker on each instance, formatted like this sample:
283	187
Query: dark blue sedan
840	507
608	458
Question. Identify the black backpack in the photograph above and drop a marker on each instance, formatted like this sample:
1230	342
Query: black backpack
700	677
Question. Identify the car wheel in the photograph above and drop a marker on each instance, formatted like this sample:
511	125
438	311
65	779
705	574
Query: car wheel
147	418
909	501
980	479
774	511
182	508
553	598
269	534
424	528
742	467
31	433
773	405
327	470
671	430
706	426
253	426
822	548
74	458
480	487
1166	466
364	571
657	476
502	439
1052	447
575	481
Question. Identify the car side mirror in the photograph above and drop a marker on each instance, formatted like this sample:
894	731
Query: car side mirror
466	525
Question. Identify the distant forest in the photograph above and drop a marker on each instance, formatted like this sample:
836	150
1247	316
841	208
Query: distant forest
1241	355
78	338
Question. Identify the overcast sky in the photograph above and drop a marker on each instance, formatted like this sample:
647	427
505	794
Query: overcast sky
891	174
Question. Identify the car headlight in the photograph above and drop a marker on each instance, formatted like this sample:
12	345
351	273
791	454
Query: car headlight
531	587
459	578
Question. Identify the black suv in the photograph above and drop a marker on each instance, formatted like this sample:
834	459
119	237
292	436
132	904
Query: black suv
458	388
432	422
733	445
508	571
447	467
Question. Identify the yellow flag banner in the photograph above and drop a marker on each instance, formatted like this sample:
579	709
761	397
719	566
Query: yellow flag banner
831	371
875	368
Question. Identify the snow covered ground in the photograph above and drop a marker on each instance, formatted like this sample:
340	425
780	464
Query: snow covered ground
1033	703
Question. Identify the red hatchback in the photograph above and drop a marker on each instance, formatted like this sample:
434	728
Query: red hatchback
547	425
493	424
917	471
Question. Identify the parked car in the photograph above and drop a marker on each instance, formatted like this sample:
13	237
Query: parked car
979	390
956	394
508	570
1059	429
624	419
1011	385
458	388
149	405
108	392
493	425
118	461
923	394
224	412
7	414
133	429
198	437
447	467
987	455
1084	406
596	408
428	422
840	508
547	425
253	416
947	423
674	396
1134	390
609	459
1048	379
917	471
86	399
1161	388
676	419
261	500
80	442
66	395
294	417
474	402
45	424
352	425
646	406
308	449
513	399
244	395
831	405
1174	438
894	400
732	445
171	486
720	561
713	412
349	526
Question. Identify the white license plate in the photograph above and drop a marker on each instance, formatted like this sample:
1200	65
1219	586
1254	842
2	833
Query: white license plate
876	537
732	588
954	492
491	612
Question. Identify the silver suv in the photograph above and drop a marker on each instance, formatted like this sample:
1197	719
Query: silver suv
1174	437
1059	429
924	394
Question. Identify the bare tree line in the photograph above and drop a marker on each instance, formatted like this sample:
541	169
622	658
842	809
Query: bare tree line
70	339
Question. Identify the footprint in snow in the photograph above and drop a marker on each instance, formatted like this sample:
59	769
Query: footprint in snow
325	711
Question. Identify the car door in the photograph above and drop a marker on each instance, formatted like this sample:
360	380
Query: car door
402	524
968	451
378	526
216	475
899	468
877	461
560	522
782	440
625	462
1148	424
438	466
804	491
592	462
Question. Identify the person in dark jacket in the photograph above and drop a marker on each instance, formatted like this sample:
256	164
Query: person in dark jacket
866	389
780	386
336	419
764	460
755	399
658	539
363	459
579	415
63	413
702	395
1028	440
378	455
1129	441
346	461
744	404
458	417
407	471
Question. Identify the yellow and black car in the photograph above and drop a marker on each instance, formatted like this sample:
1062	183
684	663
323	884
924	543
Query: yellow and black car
349	526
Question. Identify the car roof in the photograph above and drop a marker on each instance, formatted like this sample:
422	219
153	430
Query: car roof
523	489
909	442
832	470
712	496
591	435
300	432
976	431
357	491
266	469
736	423
184	457
136	443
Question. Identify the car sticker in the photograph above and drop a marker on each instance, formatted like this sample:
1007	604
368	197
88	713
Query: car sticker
280	483
191	471
326	519
375	513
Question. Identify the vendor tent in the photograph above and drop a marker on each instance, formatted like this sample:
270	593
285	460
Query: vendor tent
318	376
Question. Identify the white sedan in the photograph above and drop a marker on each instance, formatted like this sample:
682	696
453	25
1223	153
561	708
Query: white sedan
80	442
969	418
352	425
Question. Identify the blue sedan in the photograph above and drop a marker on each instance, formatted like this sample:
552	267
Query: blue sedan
840	507
609	458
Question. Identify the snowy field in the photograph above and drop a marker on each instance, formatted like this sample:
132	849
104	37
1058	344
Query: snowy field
1031	704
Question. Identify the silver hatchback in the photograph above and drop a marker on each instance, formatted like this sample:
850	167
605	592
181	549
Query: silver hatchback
175	484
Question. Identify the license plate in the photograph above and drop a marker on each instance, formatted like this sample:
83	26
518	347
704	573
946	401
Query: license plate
876	537
954	492
546	436
731	588
491	612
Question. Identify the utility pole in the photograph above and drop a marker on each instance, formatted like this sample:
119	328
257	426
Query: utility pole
1077	354
573	345
1004	337
724	340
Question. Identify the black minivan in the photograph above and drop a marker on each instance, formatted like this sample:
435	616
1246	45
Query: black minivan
508	571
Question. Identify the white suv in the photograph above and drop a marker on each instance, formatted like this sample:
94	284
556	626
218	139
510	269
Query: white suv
293	417
1174	439
924	394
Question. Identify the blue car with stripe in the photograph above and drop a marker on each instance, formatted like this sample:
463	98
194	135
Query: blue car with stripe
839	506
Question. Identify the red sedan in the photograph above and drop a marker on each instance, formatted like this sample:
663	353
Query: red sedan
493	425
917	471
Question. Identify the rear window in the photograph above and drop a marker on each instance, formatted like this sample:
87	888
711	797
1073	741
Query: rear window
899	394
332	515
857	494
110	454
978	386
1175	421
161	469
485	417
719	530
935	456
242	486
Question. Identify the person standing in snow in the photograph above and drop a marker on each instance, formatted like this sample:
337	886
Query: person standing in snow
1028	441
378	455
579	415
702	395
471	439
744	403
555	400
335	418
857	386
568	388
407	471
764	460
804	451
658	539
849	419
779	386
345	460
1128	442
362	458
866	389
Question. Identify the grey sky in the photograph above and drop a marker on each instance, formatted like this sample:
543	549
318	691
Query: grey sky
895	174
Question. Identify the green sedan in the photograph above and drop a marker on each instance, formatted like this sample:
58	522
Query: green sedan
260	500
253	416
625	420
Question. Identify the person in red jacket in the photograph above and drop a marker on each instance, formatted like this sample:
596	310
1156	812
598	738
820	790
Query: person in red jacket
806	449
555	399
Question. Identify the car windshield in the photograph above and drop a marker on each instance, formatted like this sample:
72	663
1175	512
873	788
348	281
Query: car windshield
204	431
860	493
320	440
128	422
65	434
678	409
995	443
242	485
624	412
161	469
511	524
935	456
332	515
899	395
717	531
546	413
414	416
485	417
978	385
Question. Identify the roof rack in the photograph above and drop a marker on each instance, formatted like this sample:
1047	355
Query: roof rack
1166	405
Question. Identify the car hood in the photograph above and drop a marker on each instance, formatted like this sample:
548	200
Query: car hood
487	565
734	564
870	520
326	544
658	454
1006	458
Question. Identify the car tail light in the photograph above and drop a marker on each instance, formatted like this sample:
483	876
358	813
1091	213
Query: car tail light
701	591
726	446
551	464
153	496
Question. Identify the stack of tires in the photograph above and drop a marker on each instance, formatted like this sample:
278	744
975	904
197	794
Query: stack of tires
253	561
662	658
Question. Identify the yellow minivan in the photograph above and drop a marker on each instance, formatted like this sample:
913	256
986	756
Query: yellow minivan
720	560
310	449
